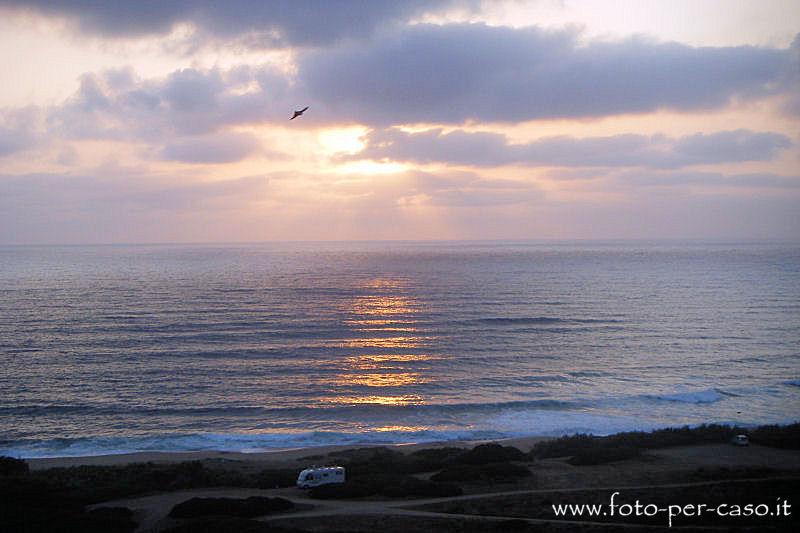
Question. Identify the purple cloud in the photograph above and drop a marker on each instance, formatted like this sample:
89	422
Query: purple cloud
493	149
262	23
472	72
213	148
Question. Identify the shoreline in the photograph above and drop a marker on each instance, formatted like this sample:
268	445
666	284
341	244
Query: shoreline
284	456
279	453
268	457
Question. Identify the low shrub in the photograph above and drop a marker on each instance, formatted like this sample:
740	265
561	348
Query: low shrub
238	507
9	466
430	459
724	472
598	456
491	472
777	436
33	504
370	460
388	485
274	478
100	483
490	453
228	525
411	487
377	460
440	455
661	438
344	491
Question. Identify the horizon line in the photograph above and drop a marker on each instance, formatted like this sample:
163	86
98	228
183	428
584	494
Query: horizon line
710	240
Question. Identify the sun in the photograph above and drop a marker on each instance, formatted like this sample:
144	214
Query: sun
342	141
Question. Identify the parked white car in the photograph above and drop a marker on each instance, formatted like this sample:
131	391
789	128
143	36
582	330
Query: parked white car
740	440
320	475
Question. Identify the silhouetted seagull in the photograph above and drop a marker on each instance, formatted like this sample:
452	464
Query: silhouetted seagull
298	113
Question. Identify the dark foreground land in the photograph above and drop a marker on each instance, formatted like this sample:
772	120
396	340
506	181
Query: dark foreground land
666	474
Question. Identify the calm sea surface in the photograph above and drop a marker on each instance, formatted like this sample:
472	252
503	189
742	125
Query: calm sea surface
244	347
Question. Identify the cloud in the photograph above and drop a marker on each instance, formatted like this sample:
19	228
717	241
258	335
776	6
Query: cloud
87	194
19	130
117	105
124	208
716	180
142	207
472	72
791	104
493	149
185	116
466	189
257	23
214	148
135	205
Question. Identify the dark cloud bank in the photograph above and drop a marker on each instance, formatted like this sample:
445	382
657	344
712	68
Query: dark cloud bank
493	149
473	72
258	23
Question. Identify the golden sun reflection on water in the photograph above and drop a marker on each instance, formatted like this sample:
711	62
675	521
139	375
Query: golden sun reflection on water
380	379
408	341
401	428
404	399
385	361
384	308
375	322
384	283
382	305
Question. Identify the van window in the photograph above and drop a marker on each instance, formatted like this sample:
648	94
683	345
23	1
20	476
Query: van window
325	474
309	477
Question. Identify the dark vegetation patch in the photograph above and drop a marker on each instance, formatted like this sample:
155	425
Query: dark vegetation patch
228	525
381	471
35	504
411	487
54	499
719	473
777	436
482	473
587	446
490	453
430	459
9	466
443	524
388	485
318	457
237	507
381	459
101	483
603	455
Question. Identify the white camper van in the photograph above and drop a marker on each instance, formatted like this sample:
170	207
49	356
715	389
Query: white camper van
320	475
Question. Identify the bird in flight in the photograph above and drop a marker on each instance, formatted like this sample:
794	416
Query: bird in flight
298	113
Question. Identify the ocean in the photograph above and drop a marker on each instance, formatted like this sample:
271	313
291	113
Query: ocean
109	349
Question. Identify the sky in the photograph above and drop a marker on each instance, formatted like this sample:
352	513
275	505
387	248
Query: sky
151	121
